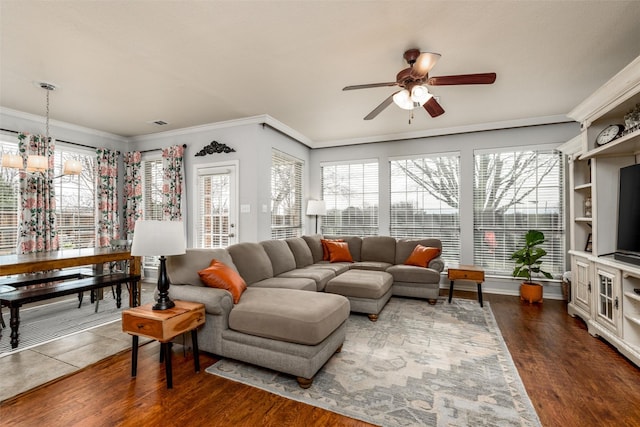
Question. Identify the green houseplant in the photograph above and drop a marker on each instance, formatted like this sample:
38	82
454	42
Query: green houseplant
528	260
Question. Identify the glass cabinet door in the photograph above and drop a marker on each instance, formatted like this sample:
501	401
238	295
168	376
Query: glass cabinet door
608	283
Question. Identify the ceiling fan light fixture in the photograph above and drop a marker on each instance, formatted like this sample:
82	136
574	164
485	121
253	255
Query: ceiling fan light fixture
420	94
403	100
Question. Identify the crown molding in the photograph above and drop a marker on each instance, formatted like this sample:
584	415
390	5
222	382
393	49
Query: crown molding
254	120
60	124
481	127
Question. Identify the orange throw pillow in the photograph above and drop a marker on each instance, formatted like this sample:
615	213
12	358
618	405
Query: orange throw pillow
219	275
339	252
422	255
325	250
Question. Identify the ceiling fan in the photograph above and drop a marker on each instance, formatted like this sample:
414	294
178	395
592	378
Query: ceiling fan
414	81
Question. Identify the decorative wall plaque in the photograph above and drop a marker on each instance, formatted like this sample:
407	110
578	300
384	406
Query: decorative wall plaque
214	147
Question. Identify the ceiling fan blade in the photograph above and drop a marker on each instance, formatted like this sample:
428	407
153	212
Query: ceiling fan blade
380	107
369	85
463	79
424	63
433	107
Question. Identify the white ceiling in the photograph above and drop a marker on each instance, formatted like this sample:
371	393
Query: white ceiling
121	64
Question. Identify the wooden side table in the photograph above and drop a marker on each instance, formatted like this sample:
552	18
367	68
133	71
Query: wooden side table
466	272
163	326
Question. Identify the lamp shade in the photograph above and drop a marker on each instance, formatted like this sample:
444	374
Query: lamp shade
420	94
12	161
72	167
158	238
37	163
403	100
316	207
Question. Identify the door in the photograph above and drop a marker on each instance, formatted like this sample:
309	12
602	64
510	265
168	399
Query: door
216	216
581	292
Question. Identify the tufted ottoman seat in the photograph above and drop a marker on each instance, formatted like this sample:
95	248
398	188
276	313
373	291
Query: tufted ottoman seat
305	326
367	291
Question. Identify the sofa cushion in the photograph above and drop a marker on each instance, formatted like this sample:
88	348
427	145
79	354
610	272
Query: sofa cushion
315	246
422	256
280	255
183	269
219	275
361	284
320	275
413	274
299	283
252	261
301	251
336	267
289	315
378	248
338	251
325	248
404	247
371	265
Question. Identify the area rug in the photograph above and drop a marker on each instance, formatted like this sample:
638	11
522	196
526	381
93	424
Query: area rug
44	323
418	365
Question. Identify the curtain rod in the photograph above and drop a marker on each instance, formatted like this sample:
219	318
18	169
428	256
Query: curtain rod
58	140
159	149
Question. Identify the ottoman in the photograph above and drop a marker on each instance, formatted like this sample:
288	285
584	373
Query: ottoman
367	291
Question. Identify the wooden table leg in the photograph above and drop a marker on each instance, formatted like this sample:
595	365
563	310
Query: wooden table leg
134	355
14	323
450	290
167	365
196	351
118	295
480	293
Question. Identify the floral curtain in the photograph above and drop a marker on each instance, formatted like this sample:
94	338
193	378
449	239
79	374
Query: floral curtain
172	162
132	190
108	226
37	222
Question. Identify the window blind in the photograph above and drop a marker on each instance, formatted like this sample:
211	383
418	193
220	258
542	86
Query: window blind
514	191
213	210
8	202
425	195
286	196
151	199
350	192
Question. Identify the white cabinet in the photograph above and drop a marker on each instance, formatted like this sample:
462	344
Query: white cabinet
604	291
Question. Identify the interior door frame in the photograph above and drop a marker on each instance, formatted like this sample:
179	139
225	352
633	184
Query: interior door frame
234	196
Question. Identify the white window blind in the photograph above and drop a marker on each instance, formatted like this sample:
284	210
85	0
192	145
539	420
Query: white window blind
286	196
213	219
515	191
75	199
9	189
350	192
425	196
152	199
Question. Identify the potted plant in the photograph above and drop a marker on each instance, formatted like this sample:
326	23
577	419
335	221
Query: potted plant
528	261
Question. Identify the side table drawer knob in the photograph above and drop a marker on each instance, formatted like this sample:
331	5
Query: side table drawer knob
140	325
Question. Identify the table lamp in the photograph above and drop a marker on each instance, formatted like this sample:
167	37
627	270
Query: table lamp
316	207
159	238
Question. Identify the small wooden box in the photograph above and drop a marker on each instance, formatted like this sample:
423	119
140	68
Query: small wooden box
163	325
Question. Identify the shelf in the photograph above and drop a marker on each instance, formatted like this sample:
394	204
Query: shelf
632	295
633	319
625	145
583	187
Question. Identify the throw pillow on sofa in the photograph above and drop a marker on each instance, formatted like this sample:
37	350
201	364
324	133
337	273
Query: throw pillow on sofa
219	275
422	256
339	252
325	249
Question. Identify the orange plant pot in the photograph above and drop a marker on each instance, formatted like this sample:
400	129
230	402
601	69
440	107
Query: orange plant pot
531	292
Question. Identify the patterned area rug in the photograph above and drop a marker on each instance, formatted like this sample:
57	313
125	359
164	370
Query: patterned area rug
418	365
43	323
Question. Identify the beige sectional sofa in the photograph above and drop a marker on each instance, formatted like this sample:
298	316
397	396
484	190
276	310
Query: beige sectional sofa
292	316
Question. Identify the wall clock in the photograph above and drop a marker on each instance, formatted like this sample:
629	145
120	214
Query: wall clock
608	134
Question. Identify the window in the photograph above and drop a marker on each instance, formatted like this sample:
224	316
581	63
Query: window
515	191
152	199
286	196
425	195
350	191
75	199
8	202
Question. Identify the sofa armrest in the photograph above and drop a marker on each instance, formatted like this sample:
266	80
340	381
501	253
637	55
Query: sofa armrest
216	301
437	264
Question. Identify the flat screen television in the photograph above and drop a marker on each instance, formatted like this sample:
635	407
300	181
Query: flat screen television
628	243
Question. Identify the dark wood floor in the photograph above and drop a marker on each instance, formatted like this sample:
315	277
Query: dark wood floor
572	378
